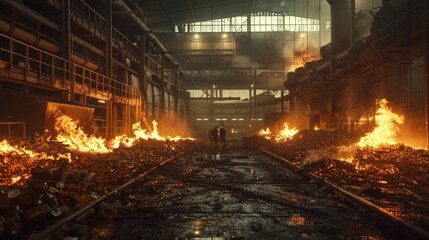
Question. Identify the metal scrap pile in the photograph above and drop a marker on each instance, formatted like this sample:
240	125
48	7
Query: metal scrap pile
37	186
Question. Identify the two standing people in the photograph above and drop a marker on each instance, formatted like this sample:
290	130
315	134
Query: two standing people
214	135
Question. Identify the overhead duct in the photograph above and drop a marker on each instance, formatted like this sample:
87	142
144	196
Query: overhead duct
340	24
47	46
27	37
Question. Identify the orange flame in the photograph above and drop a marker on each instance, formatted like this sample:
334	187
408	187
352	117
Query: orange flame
265	133
69	133
386	128
16	159
298	62
6	148
316	128
286	133
140	133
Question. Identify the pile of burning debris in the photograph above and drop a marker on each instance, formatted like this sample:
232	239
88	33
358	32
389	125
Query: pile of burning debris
374	166
43	179
363	170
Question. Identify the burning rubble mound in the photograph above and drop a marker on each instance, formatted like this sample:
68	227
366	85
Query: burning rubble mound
319	144
46	177
20	156
374	166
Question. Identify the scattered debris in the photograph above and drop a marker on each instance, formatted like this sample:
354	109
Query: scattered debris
35	188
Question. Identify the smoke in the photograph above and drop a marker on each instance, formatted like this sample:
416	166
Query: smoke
342	153
413	135
305	47
315	155
174	127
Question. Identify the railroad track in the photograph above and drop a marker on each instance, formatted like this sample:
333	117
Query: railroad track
401	226
48	232
235	194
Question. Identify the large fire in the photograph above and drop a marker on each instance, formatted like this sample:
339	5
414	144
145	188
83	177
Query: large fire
386	127
17	160
140	133
286	133
69	133
72	135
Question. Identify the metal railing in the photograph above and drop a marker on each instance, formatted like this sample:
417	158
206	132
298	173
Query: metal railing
97	22
11	127
22	62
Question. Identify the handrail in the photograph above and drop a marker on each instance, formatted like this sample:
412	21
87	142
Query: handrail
46	63
101	20
53	71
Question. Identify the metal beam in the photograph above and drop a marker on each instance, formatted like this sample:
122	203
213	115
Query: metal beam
192	10
168	15
29	12
109	32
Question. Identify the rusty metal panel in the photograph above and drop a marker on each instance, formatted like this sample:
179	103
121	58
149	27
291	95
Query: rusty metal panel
84	115
19	107
38	113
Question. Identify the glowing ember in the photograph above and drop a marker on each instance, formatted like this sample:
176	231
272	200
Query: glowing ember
265	133
69	133
386	128
316	128
16	179
16	162
6	148
286	133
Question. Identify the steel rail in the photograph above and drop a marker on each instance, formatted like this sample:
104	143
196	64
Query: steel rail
47	232
408	229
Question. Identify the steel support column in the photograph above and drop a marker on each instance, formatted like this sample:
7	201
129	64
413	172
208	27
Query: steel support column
352	22
66	45
109	38
254	101
426	66
162	90
143	80
176	93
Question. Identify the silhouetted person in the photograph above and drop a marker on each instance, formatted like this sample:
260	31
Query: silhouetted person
210	136
222	133
214	137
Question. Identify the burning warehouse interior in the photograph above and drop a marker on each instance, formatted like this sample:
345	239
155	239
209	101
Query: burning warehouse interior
214	119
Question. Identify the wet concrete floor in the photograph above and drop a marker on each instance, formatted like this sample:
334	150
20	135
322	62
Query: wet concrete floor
235	194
